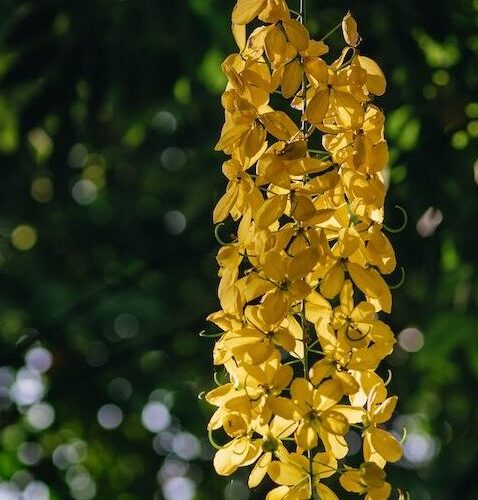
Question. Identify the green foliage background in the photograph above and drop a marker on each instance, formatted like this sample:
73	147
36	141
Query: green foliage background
109	111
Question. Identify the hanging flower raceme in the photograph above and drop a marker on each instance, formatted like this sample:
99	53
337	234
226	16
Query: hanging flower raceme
301	280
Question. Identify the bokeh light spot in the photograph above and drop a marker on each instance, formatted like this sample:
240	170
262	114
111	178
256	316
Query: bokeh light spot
110	416
173	158
175	221
120	389
126	325
30	453
39	359
179	488
42	189
164	122
77	156
36	490
24	237
84	192
40	416
186	446
28	387
419	448
429	221
155	417
411	339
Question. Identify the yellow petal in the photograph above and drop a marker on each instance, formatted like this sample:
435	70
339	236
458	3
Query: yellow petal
386	445
332	283
285	474
274	266
376	83
320	370
302	208
275	44
384	412
279	125
325	493
260	470
303	263
348	111
277	174
353	414
231	133
334	422
292	78
274	308
223	461
277	493
284	408
325	464
351	480
246	10
349	29
239	34
316	48
225	204
317	107
297	34
270	211
306	437
371	284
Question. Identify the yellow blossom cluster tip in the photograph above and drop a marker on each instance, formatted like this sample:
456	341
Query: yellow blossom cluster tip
301	280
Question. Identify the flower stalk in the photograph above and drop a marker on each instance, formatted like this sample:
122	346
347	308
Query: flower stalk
301	280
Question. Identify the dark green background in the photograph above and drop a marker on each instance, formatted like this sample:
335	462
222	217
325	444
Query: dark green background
123	272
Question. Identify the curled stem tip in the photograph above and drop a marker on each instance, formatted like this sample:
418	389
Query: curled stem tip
389	378
404	435
211	440
402	280
201	395
216	379
404	223
218	237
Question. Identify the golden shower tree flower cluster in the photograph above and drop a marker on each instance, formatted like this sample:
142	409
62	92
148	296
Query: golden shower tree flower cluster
301	281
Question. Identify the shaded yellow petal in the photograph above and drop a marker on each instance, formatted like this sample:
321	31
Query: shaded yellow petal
376	83
225	204
334	422
386	445
371	284
297	34
332	283
285	474
349	29
223	461
270	211
303	263
260	470
239	34
246	10
278	124
325	493
351	480
317	107
292	78
383	413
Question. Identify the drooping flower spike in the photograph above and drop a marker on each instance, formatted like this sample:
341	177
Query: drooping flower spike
301	279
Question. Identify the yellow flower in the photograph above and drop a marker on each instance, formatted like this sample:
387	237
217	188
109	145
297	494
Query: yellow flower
309	229
271	444
369	479
315	411
297	478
